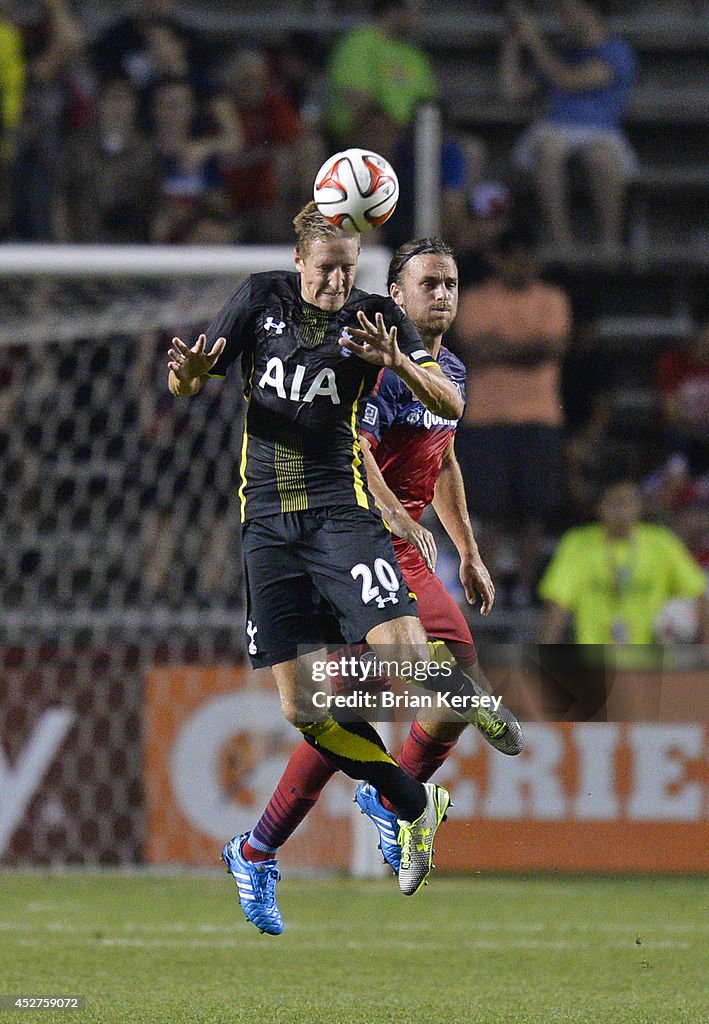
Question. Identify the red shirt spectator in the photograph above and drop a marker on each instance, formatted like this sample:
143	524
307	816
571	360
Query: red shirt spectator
261	174
683	382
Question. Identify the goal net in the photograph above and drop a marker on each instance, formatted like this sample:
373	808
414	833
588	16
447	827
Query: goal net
121	615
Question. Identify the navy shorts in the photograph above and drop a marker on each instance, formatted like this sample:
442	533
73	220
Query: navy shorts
318	577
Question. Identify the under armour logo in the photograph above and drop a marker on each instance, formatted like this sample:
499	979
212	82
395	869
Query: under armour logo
345	336
271	323
252	631
422	846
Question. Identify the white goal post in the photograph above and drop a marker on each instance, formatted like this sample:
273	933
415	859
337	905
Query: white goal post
160	261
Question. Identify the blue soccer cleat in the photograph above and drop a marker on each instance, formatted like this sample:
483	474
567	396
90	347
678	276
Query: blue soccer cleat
256	883
386	822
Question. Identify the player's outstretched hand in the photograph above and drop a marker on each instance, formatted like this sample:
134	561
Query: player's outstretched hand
376	344
477	582
189	363
422	539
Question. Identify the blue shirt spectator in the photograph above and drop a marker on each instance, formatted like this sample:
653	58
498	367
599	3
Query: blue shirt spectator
602	107
585	82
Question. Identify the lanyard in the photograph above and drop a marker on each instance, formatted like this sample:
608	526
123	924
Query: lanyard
621	574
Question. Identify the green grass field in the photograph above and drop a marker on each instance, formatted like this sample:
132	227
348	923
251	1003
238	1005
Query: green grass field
479	950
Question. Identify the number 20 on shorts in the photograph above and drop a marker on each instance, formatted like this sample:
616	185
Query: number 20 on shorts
386	577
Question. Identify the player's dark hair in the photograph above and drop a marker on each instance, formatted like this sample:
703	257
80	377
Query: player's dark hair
416	247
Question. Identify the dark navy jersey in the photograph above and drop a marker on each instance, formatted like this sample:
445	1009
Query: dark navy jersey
408	441
301	446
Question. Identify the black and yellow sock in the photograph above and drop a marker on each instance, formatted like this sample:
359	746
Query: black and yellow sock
356	748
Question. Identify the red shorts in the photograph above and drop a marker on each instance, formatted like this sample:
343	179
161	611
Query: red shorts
440	615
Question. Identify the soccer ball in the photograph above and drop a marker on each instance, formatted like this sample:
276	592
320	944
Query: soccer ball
356	190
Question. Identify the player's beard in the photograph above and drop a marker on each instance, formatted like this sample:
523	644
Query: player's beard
439	320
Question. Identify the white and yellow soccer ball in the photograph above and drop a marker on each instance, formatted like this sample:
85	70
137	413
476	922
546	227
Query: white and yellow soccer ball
356	190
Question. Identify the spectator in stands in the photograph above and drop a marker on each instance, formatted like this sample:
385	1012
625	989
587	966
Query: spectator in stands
209	226
298	65
613	577
484	212
512	332
297	68
474	211
265	174
672	490
683	384
185	461
189	154
377	77
52	41
109	175
149	45
12	88
586	379
585	85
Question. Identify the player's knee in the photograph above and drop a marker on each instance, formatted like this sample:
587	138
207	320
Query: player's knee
404	653
302	712
406	632
292	712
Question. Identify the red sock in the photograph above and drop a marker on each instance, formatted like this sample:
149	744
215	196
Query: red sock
303	780
464	654
248	853
421	755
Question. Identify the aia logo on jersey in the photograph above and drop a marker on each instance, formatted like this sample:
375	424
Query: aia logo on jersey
296	388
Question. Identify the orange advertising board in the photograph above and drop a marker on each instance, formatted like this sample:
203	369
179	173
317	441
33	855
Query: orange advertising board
215	743
599	796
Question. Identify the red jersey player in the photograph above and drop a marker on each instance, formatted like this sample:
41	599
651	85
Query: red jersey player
410	461
411	464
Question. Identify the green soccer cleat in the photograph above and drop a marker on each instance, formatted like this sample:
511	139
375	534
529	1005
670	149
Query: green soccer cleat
416	839
500	728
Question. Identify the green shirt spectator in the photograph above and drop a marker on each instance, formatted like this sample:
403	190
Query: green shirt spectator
377	77
12	84
613	577
394	74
